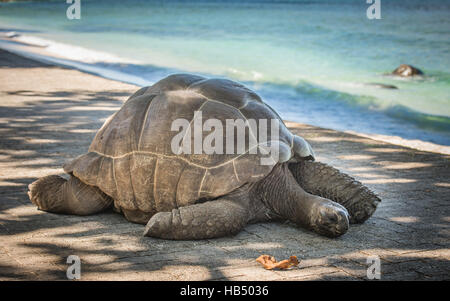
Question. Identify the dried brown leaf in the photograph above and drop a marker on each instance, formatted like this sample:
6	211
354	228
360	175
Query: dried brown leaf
270	263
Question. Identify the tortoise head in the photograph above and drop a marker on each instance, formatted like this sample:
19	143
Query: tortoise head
280	192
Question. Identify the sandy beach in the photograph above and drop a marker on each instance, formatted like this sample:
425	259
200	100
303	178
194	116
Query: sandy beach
49	115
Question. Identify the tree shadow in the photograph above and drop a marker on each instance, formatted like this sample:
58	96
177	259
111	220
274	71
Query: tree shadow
9	60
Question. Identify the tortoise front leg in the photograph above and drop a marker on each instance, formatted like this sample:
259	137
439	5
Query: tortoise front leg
221	217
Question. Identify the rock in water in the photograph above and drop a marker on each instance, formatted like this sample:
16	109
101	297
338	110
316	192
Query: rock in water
407	71
382	86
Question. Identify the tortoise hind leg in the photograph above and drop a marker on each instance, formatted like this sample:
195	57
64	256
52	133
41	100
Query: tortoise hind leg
58	195
222	217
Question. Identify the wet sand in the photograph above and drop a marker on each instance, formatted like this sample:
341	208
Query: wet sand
49	115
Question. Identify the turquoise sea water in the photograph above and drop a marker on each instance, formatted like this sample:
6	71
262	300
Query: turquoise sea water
310	60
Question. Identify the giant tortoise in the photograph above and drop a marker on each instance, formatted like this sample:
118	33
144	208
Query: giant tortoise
131	166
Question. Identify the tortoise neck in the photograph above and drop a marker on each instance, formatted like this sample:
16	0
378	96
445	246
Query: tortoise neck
280	192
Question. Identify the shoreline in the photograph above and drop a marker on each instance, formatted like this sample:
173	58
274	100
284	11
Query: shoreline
37	52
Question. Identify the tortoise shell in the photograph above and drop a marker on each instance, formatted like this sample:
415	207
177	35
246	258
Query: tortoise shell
131	157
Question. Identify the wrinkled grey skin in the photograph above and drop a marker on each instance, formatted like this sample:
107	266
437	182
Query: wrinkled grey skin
129	168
